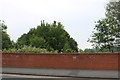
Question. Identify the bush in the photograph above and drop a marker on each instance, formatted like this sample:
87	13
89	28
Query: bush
29	49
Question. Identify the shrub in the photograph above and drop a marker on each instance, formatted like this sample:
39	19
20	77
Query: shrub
29	49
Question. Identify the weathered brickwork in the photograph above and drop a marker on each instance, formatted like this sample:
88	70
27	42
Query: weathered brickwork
93	61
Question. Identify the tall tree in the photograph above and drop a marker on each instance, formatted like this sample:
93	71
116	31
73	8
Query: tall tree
49	36
107	30
6	43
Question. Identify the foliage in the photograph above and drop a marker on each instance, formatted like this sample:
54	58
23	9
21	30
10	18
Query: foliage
29	49
6	42
89	51
107	30
80	51
49	36
2	25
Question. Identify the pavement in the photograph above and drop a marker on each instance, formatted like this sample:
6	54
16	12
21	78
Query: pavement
64	72
33	77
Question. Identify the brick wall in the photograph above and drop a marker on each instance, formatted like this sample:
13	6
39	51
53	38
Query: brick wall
93	61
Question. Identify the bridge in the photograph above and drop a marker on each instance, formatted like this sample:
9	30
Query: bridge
79	65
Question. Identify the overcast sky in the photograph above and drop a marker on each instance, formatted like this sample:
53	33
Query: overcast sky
77	16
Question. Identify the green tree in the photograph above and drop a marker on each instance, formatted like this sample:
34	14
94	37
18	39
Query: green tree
107	30
80	51
49	36
6	42
89	50
38	42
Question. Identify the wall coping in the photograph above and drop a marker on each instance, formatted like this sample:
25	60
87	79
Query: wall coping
61	53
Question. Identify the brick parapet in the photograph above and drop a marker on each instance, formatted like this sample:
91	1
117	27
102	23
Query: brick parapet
92	61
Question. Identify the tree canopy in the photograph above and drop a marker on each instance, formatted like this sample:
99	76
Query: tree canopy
49	36
107	30
5	42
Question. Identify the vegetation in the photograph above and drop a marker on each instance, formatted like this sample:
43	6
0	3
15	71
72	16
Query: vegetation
107	31
50	37
53	38
6	42
46	38
29	49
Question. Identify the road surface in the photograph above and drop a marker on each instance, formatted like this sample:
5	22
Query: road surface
32	77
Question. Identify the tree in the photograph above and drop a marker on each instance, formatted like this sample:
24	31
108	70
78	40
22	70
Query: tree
80	51
6	43
89	50
49	36
38	42
107	30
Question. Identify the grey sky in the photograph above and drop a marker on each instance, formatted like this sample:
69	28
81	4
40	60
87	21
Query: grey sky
77	16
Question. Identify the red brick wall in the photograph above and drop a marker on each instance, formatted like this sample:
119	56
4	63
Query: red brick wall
94	61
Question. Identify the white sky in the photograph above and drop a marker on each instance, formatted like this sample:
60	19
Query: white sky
77	16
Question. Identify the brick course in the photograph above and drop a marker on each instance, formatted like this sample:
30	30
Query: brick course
91	61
